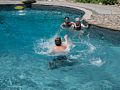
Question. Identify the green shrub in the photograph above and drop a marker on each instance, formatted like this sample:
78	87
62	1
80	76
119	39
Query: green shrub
110	2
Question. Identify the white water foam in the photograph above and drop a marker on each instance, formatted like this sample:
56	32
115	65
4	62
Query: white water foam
44	46
91	47
80	53
89	50
97	62
75	56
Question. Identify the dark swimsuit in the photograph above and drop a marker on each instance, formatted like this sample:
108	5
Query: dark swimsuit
77	27
58	61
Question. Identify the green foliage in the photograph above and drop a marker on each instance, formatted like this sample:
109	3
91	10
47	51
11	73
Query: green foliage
110	2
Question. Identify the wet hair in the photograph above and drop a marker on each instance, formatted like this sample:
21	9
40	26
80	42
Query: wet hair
66	18
58	41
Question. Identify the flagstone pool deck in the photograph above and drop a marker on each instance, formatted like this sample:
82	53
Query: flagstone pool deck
107	16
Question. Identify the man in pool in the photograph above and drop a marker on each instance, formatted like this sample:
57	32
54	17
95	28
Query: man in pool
66	23
59	47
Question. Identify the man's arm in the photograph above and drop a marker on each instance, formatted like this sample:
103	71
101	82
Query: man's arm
66	40
62	25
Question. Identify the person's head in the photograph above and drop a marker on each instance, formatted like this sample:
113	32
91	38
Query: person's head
66	19
77	20
58	41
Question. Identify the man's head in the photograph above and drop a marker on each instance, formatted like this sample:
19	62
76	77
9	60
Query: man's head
66	19
58	41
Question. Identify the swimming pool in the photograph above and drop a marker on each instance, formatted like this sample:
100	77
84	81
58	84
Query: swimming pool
26	36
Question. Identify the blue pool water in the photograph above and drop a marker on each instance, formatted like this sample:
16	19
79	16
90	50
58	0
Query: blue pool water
25	40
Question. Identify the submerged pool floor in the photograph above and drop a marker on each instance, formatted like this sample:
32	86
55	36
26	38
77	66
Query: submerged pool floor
26	36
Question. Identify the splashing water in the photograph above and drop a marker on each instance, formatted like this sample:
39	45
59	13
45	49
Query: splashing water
44	46
97	62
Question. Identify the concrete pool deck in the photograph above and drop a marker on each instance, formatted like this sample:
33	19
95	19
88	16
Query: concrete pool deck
107	16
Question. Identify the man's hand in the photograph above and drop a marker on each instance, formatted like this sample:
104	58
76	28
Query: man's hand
66	37
66	40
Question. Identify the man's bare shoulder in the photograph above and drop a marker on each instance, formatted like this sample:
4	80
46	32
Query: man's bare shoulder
59	49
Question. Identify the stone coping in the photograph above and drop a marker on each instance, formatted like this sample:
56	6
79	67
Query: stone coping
100	15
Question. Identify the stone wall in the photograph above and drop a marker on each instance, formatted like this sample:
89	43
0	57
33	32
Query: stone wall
107	20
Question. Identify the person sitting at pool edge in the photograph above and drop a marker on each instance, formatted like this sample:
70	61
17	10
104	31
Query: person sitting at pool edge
59	47
66	23
77	24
